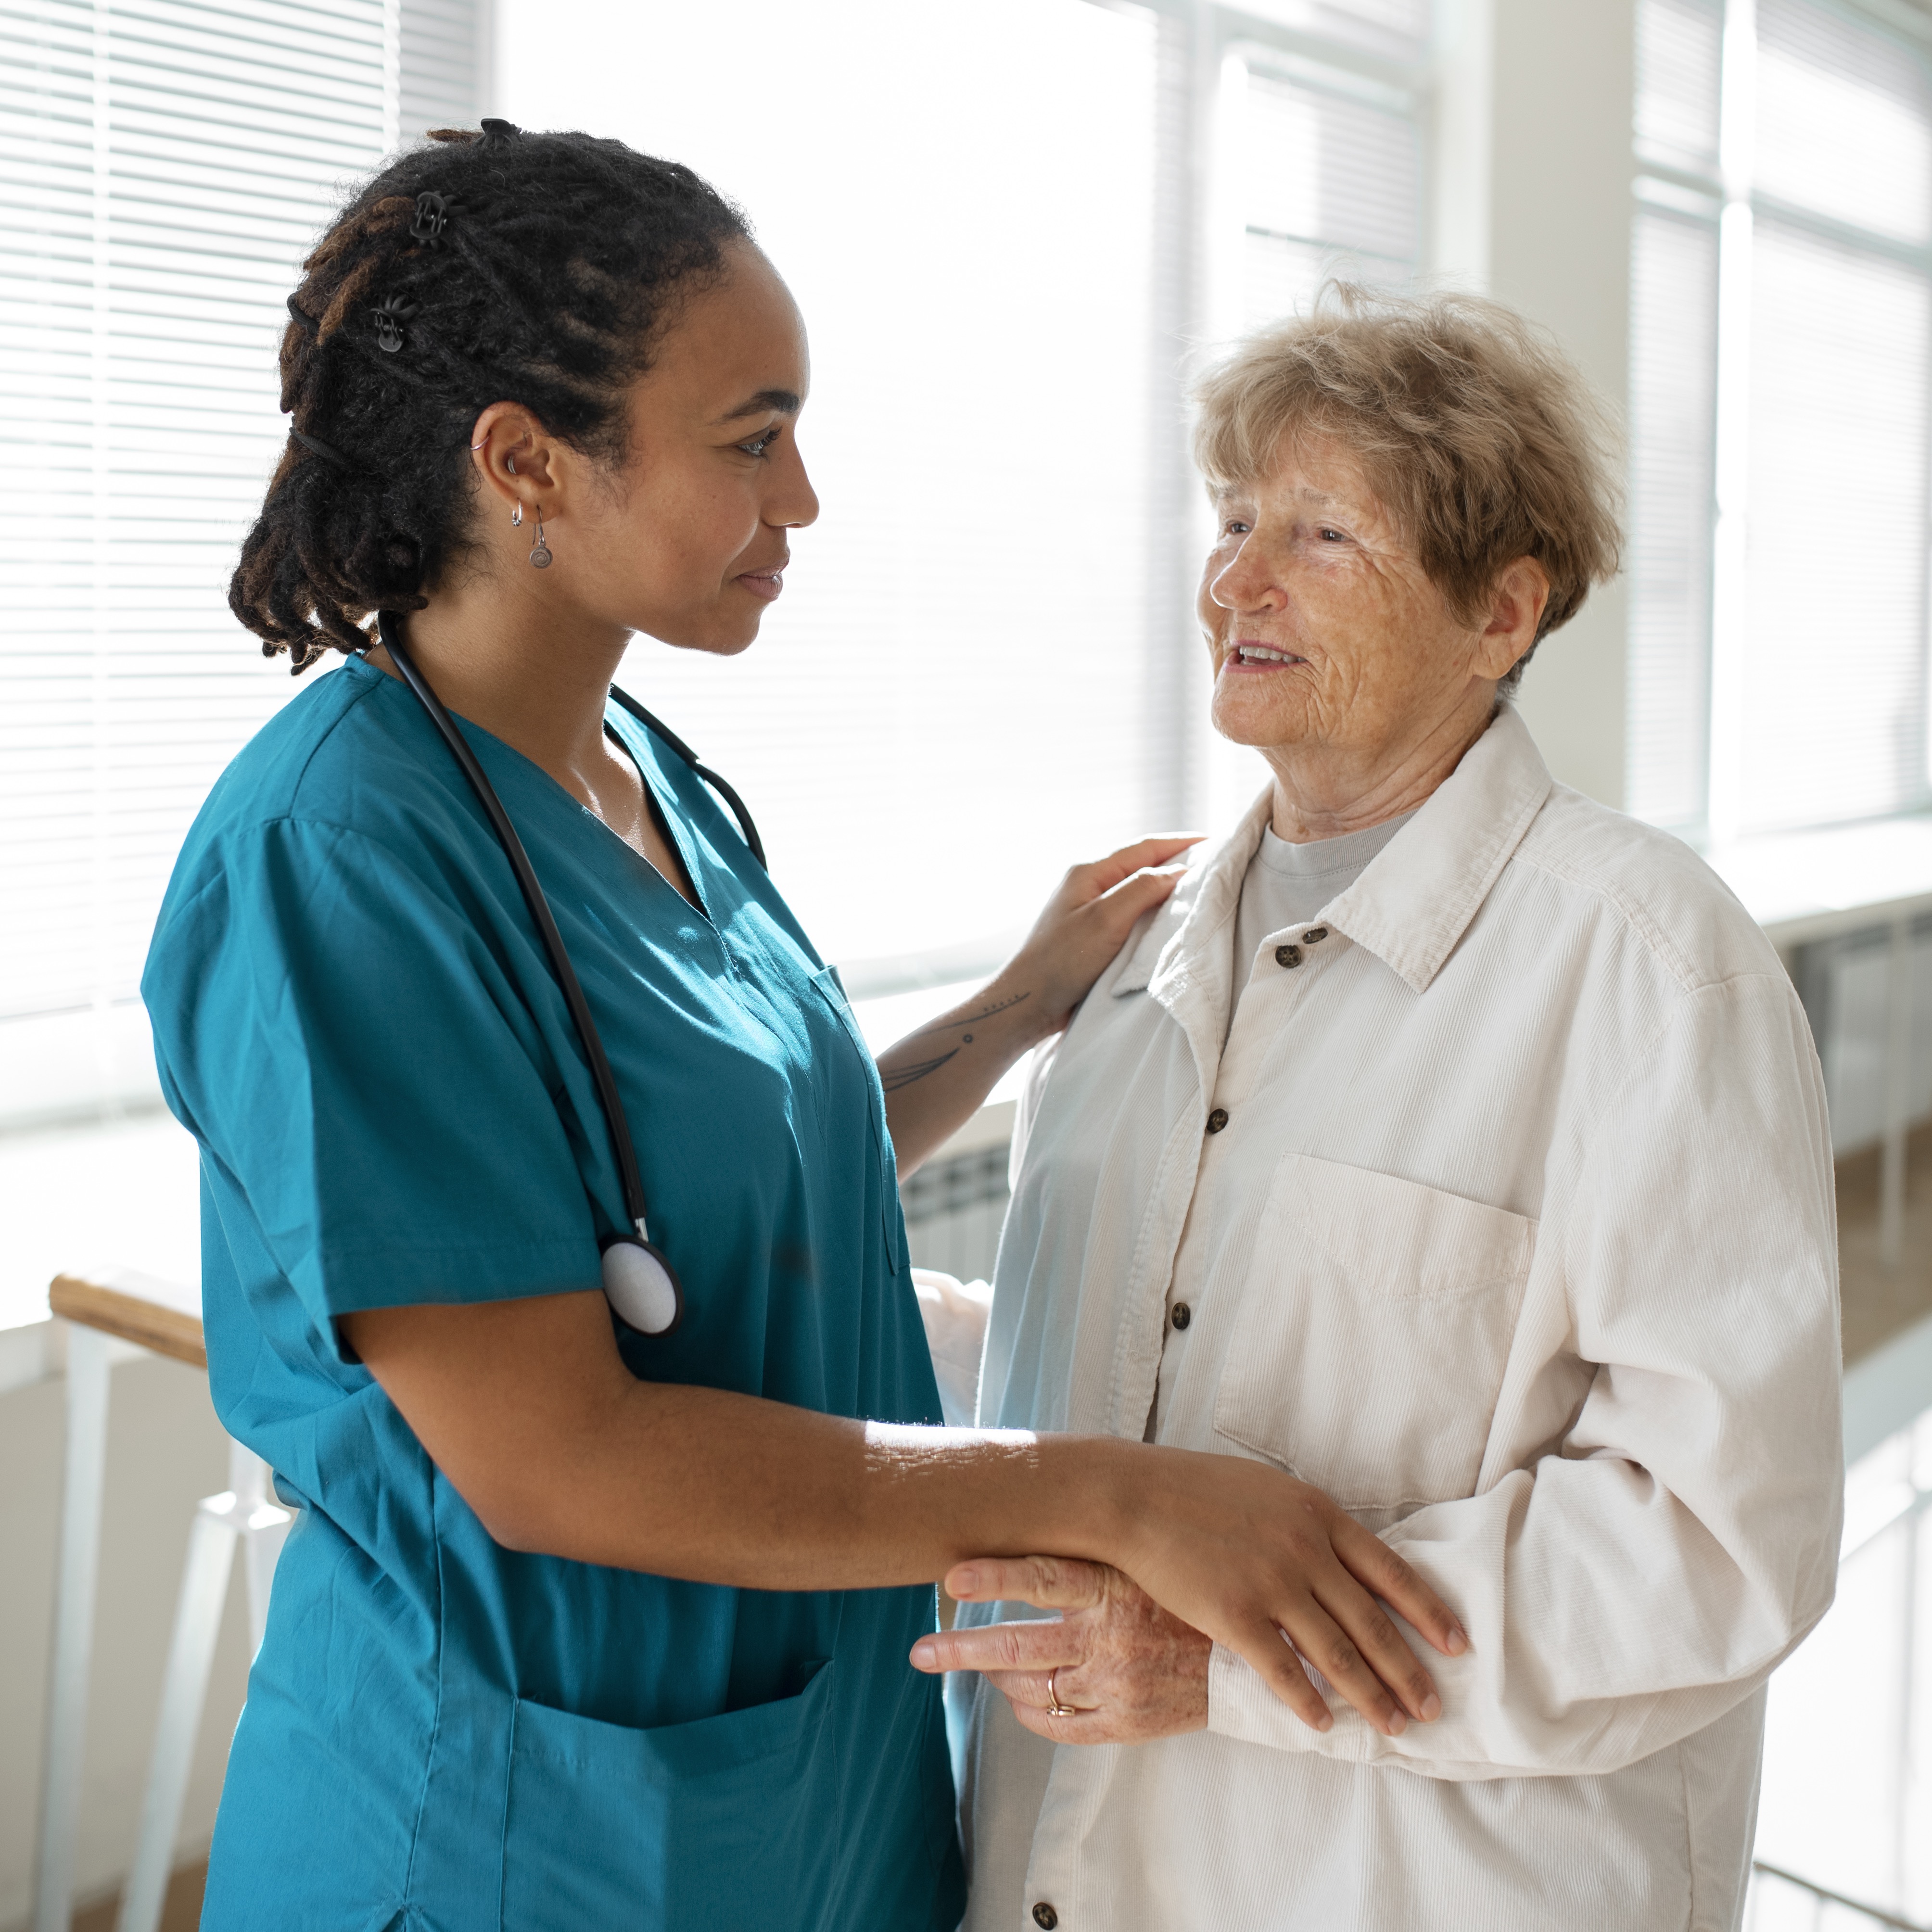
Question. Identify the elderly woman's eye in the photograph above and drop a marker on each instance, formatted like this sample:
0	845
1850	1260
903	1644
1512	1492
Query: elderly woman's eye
1234	527
1328	535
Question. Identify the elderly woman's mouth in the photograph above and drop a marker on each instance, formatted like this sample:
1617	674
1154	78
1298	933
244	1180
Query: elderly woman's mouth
1262	656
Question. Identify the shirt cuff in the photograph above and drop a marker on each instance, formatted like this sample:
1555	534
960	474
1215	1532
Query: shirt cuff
1241	1705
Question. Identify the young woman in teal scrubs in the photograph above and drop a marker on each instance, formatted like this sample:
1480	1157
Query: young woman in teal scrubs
578	1628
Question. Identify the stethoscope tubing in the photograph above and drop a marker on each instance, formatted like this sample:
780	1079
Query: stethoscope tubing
601	1077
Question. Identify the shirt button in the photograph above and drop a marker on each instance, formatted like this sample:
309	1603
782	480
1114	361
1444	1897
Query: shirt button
1288	956
1045	1917
1182	1314
1315	935
1217	1120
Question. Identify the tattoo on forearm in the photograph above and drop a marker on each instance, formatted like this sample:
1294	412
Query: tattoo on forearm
968	1019
892	1076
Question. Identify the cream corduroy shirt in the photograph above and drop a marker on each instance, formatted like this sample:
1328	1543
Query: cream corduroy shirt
1504	1217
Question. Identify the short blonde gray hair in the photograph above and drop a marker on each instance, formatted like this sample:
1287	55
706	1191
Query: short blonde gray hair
1477	435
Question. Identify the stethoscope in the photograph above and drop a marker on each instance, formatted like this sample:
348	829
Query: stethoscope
639	1281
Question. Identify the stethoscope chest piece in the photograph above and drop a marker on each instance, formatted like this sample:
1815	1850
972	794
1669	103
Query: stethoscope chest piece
641	1287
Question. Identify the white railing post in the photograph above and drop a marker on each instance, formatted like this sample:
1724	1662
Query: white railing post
246	1514
87	1361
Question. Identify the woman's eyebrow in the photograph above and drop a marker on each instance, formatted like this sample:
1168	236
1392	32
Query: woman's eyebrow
782	401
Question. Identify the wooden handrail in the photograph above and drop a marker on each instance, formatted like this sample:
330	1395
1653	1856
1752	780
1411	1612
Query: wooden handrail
136	1307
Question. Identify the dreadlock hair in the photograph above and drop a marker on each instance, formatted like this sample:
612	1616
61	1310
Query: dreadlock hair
483	268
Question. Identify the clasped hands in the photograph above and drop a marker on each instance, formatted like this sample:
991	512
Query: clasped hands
1120	1668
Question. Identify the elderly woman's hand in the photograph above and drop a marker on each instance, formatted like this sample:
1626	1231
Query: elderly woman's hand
1270	1566
1113	1668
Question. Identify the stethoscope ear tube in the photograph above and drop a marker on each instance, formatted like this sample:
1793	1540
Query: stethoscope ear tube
647	1295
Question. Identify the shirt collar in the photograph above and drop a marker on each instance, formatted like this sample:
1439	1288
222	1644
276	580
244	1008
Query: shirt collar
1411	905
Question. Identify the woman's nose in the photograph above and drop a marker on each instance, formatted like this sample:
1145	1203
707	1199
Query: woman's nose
1246	583
797	504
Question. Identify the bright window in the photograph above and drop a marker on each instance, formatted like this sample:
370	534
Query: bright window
1007	223
1781	326
167	164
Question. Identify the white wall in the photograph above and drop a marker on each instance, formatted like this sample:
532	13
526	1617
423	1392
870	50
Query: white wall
1533	206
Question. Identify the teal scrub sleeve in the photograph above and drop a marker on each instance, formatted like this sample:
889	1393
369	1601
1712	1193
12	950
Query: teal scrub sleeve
358	1042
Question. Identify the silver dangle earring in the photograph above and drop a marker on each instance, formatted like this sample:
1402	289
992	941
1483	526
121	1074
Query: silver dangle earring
540	550
517	517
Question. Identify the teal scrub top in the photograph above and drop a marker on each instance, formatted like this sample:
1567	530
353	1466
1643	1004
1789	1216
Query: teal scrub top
355	1017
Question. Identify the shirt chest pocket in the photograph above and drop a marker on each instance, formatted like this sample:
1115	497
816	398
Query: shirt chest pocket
1370	1344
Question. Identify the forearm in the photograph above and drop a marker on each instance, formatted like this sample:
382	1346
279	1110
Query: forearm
721	1488
937	1078
528	1409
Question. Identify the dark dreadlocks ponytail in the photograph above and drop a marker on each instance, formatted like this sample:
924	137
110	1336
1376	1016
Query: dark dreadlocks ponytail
497	267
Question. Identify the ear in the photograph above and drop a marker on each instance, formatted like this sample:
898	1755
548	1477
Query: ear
516	458
1516	604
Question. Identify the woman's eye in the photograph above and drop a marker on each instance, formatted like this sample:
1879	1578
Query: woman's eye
1234	527
1331	536
760	444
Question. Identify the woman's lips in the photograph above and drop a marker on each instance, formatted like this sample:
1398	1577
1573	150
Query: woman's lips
762	583
1251	654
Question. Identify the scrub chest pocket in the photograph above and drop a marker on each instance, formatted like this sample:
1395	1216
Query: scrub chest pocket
710	1823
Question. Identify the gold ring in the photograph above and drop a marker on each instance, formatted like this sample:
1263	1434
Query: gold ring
1054	1708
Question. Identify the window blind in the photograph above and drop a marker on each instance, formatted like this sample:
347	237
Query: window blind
168	164
1679	49
1844	120
1396	28
1332	184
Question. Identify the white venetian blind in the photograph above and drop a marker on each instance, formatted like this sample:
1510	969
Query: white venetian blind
1679	51
1331	183
1398	28
166	165
1835	693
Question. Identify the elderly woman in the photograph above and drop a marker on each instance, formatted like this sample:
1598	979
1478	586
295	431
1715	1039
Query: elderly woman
1457	1146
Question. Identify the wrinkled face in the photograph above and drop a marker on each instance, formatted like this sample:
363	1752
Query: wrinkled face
1322	629
687	543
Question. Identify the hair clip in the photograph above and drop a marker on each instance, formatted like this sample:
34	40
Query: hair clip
431	218
302	320
498	133
329	454
391	313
